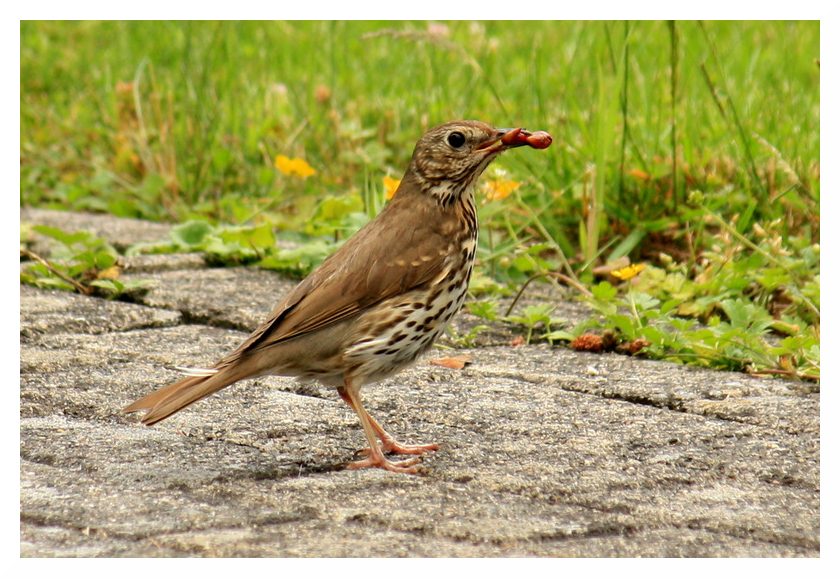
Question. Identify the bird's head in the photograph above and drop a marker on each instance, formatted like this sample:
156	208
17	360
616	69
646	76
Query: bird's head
449	158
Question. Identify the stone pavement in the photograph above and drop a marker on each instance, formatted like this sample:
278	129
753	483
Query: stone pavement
545	451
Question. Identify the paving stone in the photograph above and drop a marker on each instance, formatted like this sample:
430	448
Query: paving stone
545	452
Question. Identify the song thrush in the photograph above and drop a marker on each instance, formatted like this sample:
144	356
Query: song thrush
381	300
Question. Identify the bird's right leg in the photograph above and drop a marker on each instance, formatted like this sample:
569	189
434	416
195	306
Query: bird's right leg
376	458
389	444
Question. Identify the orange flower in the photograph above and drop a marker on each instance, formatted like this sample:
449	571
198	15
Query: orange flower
499	189
390	186
297	167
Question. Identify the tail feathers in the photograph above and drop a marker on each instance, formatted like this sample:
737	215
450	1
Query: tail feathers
178	395
197	371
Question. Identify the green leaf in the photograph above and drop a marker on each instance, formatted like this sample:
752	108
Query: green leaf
559	336
260	237
625	325
105	258
669	306
300	260
54	282
484	309
604	291
191	235
627	245
332	212
68	239
108	284
643	301
135	284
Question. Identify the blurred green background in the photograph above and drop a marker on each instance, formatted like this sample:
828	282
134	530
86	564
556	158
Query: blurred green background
165	120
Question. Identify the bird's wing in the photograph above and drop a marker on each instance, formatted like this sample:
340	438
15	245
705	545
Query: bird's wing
356	277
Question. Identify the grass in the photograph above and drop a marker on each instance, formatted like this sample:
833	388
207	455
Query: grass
691	147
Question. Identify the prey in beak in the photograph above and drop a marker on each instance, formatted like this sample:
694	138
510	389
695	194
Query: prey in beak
508	138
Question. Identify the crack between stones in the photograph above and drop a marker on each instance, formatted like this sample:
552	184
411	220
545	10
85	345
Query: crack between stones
670	404
746	535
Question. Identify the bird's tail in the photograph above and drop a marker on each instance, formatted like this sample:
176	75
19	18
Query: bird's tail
176	396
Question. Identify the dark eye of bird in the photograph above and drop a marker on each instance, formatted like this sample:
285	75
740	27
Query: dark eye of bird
456	140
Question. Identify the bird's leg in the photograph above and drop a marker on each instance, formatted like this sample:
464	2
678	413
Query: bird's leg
376	459
390	445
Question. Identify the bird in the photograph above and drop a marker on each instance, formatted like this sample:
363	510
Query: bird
378	302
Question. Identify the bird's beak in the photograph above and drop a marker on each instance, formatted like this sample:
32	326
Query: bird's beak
506	138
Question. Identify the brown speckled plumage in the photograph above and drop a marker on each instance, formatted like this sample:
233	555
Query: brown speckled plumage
377	303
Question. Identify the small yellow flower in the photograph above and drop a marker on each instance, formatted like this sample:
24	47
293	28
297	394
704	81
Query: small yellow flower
390	186
498	189
297	167
628	272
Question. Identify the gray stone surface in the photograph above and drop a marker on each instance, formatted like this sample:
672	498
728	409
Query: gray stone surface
546	451
47	312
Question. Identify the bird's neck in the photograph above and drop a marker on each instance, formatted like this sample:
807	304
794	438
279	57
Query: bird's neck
451	207
445	192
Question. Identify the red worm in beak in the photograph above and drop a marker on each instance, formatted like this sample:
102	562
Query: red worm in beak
519	137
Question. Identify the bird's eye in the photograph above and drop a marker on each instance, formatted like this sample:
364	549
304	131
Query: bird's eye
456	140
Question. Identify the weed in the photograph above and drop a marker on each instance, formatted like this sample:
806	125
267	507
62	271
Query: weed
79	262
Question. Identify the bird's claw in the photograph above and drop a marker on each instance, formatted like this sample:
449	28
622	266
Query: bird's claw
392	446
401	467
